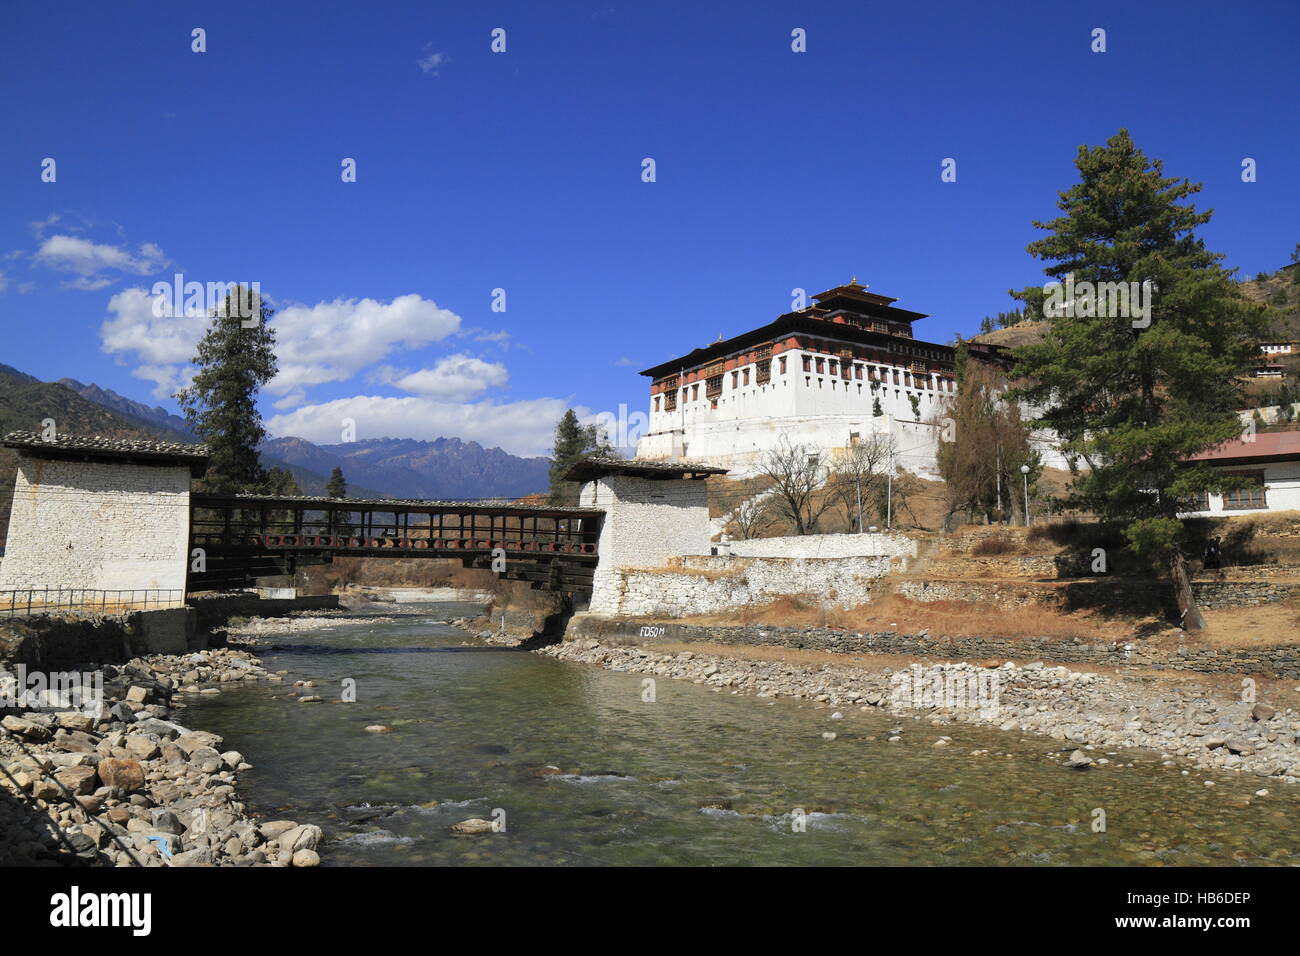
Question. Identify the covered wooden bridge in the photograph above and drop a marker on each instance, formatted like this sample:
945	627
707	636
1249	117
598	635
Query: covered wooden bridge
242	537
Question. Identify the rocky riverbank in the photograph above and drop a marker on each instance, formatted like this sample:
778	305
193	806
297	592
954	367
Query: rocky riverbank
1085	711
130	785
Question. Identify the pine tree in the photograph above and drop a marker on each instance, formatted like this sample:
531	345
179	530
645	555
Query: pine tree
235	359
1136	396
573	443
337	486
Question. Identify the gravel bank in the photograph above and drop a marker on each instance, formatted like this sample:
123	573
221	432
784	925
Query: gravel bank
131	786
1085	710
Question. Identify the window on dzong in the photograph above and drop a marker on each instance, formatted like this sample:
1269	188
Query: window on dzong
713	386
1252	496
745	377
821	365
764	371
670	401
807	363
782	361
656	403
734	376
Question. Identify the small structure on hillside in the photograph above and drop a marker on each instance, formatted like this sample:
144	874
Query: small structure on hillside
97	514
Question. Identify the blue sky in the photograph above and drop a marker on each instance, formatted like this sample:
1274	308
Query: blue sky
522	171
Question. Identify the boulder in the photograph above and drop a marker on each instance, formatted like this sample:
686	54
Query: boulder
472	825
1078	760
80	780
126	774
27	729
305	837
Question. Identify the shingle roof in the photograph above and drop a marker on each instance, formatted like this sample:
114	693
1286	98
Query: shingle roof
1262	445
113	449
590	468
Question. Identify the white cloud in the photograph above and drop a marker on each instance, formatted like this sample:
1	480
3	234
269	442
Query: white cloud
90	260
162	346
453	377
332	341
521	428
432	62
622	362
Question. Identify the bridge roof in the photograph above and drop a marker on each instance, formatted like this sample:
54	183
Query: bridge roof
591	468
96	448
476	506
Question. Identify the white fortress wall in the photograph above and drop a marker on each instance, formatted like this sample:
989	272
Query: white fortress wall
880	544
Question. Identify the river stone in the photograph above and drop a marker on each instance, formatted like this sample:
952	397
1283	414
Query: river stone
141	746
80	780
1079	761
1262	712
198	857
305	858
305	837
126	774
379	729
472	825
28	729
74	720
274	829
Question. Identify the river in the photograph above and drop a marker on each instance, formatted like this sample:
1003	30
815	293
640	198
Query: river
473	724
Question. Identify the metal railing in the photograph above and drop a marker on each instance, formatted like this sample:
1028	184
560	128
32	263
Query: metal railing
29	601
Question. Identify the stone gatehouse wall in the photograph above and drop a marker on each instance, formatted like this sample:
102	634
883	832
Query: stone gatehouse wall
647	522
98	526
1276	660
827	546
708	585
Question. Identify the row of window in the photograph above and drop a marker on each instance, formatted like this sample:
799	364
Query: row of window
1238	499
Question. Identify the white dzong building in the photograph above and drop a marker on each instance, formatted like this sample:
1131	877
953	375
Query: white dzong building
826	376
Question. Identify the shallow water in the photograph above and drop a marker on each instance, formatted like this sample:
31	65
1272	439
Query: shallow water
472	723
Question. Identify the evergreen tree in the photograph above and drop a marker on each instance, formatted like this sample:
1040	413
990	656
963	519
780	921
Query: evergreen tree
1135	397
235	359
337	486
574	442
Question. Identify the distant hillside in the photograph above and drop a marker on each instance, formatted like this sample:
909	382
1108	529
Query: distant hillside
154	416
408	468
1022	333
1281	292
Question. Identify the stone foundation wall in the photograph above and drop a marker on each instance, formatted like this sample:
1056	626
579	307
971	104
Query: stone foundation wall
708	585
69	642
1276	660
1132	597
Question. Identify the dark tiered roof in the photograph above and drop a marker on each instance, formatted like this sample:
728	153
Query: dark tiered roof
96	448
592	468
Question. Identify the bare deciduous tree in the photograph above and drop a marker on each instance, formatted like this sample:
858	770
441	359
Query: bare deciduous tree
859	471
797	474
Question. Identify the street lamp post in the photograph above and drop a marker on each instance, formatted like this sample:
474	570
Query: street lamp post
1024	470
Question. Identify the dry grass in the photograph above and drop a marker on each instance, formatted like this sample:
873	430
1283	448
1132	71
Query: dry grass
1231	627
950	618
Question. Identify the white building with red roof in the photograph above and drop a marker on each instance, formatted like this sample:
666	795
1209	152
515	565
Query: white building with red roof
1270	459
